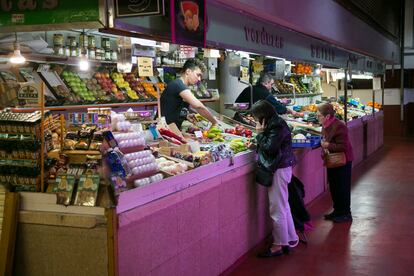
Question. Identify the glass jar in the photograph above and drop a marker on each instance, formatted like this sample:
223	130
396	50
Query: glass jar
106	43
91	41
108	55
83	40
92	53
58	40
72	41
114	55
67	51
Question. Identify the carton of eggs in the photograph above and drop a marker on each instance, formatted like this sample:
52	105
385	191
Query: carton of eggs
142	182
147	180
157	177
171	166
123	126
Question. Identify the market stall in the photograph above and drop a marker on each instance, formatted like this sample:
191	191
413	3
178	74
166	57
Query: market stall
104	181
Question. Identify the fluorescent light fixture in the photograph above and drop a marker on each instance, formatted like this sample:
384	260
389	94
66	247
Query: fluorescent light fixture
145	42
83	63
275	57
341	75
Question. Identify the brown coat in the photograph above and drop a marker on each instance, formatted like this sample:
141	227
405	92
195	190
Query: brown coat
337	136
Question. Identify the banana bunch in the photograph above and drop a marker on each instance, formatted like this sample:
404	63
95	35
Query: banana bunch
237	145
214	133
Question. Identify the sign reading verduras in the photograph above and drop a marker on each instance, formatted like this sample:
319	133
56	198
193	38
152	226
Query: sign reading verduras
15	15
128	8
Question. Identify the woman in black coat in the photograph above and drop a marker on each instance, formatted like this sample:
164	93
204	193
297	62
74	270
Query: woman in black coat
274	148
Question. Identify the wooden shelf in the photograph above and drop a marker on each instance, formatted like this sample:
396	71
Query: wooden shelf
302	95
112	105
74	107
42	58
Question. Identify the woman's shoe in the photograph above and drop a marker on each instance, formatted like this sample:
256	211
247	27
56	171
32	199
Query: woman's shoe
286	249
344	218
329	216
268	253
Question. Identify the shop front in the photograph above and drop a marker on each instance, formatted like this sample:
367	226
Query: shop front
118	191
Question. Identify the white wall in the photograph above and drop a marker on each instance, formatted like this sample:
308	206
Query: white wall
391	96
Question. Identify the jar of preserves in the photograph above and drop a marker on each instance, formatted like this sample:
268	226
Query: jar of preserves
106	43
83	40
91	41
114	55
58	40
72	41
92	53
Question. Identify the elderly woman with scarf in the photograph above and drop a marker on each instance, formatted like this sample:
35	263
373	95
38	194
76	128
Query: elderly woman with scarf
336	139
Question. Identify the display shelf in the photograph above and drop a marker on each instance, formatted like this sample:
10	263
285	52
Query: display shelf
112	105
42	58
303	95
178	66
82	152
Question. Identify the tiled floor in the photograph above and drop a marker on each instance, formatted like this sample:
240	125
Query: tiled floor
380	241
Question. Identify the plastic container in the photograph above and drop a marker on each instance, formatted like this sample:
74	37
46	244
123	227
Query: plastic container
311	142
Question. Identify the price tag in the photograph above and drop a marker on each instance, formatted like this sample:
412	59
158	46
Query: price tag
145	67
198	134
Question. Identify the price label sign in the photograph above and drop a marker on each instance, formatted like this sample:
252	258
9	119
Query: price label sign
145	68
29	91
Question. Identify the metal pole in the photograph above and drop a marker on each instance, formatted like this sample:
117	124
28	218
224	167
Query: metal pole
402	61
42	137
373	102
346	96
383	90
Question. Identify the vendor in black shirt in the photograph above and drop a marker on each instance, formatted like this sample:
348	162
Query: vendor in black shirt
177	96
261	91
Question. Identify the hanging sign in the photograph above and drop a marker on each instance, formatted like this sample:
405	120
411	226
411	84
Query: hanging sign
29	15
188	22
130	8
29	93
145	68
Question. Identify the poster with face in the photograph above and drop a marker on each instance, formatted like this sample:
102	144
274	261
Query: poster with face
188	22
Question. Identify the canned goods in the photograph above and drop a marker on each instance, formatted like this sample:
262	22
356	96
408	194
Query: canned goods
83	40
58	40
72	41
106	43
91	41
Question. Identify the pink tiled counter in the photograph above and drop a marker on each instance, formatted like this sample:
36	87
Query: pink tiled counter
356	135
207	219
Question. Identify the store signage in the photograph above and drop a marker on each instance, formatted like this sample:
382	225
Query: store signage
263	37
188	22
145	68
130	8
323	53
47	12
29	92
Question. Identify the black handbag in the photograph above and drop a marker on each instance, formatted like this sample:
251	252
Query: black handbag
264	177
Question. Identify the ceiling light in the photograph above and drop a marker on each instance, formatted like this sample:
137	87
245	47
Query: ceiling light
16	57
83	63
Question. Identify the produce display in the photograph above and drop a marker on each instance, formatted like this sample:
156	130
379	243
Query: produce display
302	69
240	131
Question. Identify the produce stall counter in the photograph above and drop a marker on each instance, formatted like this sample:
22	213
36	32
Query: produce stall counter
201	222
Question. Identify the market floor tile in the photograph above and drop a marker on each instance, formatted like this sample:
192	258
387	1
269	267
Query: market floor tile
379	240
